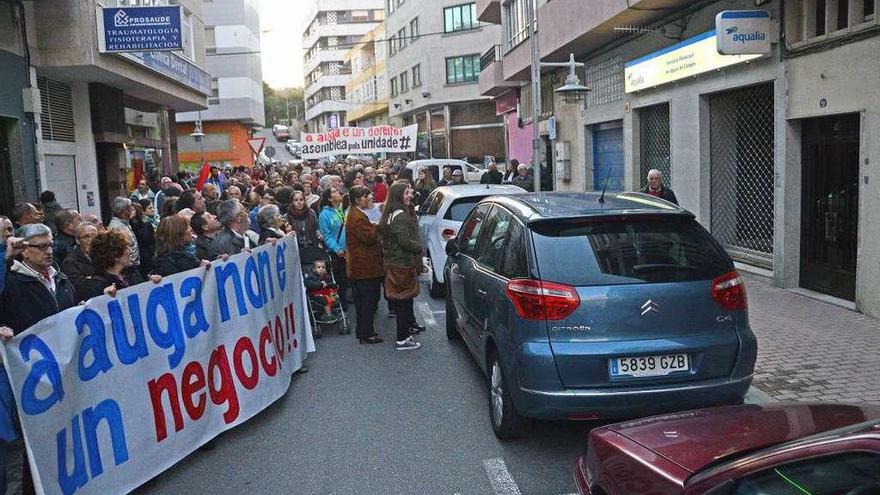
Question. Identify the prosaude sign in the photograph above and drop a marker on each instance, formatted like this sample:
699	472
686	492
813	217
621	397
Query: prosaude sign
140	29
743	32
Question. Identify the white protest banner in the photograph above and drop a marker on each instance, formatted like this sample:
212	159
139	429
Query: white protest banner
112	393
359	140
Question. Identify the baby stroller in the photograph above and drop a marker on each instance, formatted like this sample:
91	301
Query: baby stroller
325	307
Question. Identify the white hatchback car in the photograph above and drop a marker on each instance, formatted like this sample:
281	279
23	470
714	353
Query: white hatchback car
441	215
472	174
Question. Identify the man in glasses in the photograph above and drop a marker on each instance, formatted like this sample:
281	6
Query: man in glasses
6	229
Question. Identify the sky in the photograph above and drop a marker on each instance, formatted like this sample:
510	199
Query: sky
281	25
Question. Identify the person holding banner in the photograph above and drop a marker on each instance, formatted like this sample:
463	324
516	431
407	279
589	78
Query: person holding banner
332	224
402	252
172	239
363	263
233	239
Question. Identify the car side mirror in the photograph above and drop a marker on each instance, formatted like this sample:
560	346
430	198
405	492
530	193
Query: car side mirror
452	247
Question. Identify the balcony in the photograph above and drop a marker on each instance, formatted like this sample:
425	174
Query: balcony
326	55
327	82
492	81
489	11
327	106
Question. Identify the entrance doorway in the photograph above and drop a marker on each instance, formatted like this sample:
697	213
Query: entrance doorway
830	205
608	156
7	200
61	179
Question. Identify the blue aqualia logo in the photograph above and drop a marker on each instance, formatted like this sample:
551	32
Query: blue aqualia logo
749	37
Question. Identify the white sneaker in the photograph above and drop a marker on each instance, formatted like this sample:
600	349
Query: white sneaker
407	345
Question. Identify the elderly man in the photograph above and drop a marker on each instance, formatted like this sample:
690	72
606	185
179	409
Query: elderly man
206	227
66	222
209	192
233	238
122	211
492	176
234	192
6	229
191	199
78	264
656	188
523	178
34	288
164	184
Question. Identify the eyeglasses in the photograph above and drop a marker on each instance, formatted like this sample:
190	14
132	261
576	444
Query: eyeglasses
42	247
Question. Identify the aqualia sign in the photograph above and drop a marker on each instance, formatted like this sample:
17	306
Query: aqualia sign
743	32
139	29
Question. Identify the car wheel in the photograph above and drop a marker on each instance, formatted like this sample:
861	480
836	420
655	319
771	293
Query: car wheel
451	326
506	422
436	291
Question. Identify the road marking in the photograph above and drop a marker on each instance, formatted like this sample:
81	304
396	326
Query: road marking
427	314
502	481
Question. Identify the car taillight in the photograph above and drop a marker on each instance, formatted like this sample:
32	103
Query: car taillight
447	234
539	300
729	292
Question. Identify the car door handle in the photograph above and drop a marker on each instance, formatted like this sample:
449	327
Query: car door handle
482	292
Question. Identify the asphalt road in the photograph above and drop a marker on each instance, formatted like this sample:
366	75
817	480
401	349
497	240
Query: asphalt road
281	153
368	419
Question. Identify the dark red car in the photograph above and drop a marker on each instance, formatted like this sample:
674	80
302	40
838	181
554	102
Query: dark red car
783	449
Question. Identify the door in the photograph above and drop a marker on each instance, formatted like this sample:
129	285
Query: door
7	199
61	179
829	205
462	268
487	283
608	156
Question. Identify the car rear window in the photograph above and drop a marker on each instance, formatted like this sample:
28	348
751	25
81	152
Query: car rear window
627	251
461	208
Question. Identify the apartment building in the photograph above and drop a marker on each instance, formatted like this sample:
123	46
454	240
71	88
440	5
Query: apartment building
83	123
773	152
332	28
235	105
368	89
434	50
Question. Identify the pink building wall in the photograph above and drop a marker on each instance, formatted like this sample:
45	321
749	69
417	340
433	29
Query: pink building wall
519	139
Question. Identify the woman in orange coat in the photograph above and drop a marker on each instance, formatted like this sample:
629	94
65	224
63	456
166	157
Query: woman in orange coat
363	263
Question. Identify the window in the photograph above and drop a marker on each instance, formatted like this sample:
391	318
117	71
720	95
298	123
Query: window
514	263
841	473
417	76
392	46
394	87
516	22
462	207
434	202
210	40
650	250
490	244
870	13
404	82
392	4
215	92
460	18
401	39
463	69
471	230
414	29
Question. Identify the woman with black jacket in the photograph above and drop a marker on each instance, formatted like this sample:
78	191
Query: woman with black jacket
109	253
304	221
172	240
145	233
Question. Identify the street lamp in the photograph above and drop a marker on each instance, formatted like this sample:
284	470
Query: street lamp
572	91
199	136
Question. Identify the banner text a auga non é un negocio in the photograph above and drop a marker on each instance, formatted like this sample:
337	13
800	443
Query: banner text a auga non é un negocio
114	392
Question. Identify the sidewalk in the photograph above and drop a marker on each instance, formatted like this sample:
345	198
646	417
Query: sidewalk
809	350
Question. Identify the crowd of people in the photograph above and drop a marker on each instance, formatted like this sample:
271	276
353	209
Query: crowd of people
361	218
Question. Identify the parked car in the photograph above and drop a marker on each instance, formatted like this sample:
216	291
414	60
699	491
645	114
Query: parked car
588	306
779	449
471	173
281	132
440	217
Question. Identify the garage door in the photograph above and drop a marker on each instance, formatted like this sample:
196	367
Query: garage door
61	179
608	156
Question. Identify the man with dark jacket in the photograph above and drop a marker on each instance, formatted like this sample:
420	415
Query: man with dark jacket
66	222
492	176
23	214
34	288
51	207
233	238
656	188
78	264
206	227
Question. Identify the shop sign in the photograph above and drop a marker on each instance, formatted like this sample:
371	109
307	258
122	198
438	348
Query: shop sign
688	58
742	32
175	67
136	29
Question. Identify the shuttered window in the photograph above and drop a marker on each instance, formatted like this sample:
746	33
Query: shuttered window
57	122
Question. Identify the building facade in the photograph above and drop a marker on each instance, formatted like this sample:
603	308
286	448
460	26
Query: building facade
434	50
773	152
87	124
235	106
368	89
332	28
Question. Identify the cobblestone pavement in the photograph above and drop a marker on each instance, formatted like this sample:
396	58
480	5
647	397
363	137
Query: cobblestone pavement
810	350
